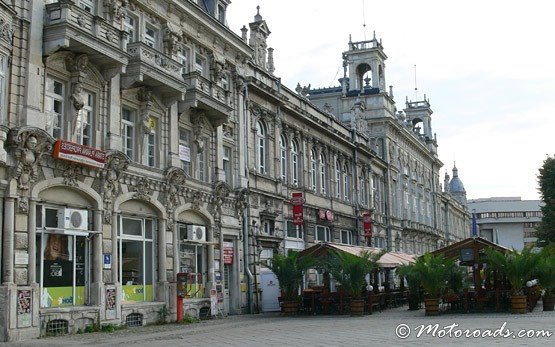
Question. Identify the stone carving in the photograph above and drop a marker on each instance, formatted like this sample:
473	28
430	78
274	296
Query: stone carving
217	66
175	177
200	123
116	163
145	96
196	200
70	174
303	91
6	31
241	202
142	189
76	63
28	144
221	191
115	9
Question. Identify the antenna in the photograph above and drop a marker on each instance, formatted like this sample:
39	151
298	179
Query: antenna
363	21
415	85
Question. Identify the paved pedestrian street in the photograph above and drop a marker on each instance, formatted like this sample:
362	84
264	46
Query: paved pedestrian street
379	328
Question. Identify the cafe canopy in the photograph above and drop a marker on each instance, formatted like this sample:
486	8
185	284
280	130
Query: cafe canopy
387	260
468	250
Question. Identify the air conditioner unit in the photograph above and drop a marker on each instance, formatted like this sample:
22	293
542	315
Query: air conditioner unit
73	219
196	233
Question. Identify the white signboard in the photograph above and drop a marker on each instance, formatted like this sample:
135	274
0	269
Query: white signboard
184	153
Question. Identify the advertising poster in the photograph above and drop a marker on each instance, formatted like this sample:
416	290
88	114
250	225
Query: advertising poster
24	308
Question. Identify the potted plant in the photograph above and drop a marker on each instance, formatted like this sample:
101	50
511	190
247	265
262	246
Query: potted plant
413	281
433	272
545	273
518	267
289	270
350	272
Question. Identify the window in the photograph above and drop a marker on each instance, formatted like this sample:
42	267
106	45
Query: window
337	179
379	242
221	13
151	36
87	5
193	260
268	227
3	87
224	82
322	233
261	146
313	170
130	27
347	237
183	59
295	161
323	174
294	231
62	260
128	132
283	155
136	255
202	164
83	127
346	188
200	61
54	107
151	143
185	150
363	190
227	165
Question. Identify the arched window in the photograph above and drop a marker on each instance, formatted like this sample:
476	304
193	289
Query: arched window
313	169
346	189
283	157
337	179
261	146
363	189
295	161
323	174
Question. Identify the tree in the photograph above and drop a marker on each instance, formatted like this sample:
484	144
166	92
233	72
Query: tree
289	270
546	180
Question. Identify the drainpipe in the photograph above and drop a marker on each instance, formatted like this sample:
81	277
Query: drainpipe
246	212
355	179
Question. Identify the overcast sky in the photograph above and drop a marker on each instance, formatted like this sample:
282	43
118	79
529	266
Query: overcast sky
486	66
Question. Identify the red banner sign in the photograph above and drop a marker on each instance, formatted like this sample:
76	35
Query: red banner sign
79	154
297	201
367	224
228	253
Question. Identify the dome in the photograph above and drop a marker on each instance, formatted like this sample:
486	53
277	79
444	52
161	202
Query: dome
456	185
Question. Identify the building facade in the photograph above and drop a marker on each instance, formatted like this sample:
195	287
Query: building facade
142	139
508	221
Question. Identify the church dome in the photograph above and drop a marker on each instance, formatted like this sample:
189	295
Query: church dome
456	185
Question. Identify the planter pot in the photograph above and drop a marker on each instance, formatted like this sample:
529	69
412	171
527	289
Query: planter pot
414	303
548	302
432	307
289	308
357	307
518	304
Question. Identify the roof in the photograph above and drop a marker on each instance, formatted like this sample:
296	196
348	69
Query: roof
454	250
387	260
509	204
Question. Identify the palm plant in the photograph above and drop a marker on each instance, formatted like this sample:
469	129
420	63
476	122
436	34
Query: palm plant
350	270
518	267
433	271
413	281
289	270
545	270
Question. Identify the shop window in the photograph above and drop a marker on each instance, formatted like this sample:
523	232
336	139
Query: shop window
62	259
294	231
193	261
322	233
136	258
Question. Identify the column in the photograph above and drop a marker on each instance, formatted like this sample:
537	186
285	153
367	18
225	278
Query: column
220	174
211	279
175	245
7	247
115	264
97	247
174	136
162	277
31	242
114	114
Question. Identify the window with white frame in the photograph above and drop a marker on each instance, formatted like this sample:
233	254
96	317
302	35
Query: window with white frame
313	168
183	59
128	132
379	242
151	36
151	144
323	174
268	227
283	157
294	231
337	179
221	13
227	165
295	161
224	81
261	146
322	233
54	107
130	27
87	5
200	63
363	190
346	188
83	126
136	258
3	87
185	150
347	237
201	169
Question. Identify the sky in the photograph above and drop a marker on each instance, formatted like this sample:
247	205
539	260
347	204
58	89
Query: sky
487	68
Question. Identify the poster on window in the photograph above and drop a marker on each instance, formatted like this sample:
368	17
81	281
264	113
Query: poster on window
57	271
184	153
24	308
228	253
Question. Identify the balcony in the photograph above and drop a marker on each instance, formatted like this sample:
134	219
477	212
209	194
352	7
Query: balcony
152	68
67	26
208	96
